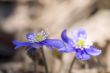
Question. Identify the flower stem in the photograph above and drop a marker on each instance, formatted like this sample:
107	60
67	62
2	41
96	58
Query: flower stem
71	66
35	62
35	67
45	63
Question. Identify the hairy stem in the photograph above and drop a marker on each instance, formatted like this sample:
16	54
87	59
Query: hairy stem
35	62
44	59
71	66
35	67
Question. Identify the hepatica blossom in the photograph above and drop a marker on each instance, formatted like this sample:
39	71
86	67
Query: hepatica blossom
79	44
39	40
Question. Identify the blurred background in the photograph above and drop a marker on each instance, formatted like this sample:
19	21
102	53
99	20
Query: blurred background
17	17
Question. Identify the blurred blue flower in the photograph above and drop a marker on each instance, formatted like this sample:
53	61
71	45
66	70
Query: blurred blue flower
79	44
39	40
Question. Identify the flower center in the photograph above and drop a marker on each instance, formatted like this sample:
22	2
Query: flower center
39	38
33	37
80	43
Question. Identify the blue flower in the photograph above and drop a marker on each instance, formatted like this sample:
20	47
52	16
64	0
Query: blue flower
39	40
79	44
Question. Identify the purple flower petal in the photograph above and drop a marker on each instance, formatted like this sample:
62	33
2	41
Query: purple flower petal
79	33
31	37
82	55
37	45
93	51
65	38
67	48
20	44
53	43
